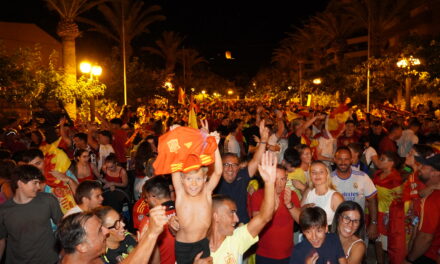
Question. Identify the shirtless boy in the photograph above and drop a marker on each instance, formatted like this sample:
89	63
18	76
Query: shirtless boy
194	208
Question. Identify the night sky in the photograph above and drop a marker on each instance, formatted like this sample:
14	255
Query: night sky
249	29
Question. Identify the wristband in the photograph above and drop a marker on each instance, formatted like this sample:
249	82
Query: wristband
263	142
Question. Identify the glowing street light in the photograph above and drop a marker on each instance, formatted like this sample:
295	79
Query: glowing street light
94	70
230	92
86	67
203	92
406	63
317	81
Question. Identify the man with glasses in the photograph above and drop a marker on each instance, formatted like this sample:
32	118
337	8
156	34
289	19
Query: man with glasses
235	180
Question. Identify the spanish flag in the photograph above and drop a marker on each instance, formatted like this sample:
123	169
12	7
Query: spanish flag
335	122
192	117
181	96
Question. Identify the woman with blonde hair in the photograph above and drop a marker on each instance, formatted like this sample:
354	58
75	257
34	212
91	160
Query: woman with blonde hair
321	191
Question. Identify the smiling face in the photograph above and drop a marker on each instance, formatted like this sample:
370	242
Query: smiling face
226	217
318	174
306	156
116	226
349	222
193	182
96	235
230	168
343	160
316	235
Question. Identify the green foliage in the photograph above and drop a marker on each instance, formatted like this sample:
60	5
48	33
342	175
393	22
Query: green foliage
26	79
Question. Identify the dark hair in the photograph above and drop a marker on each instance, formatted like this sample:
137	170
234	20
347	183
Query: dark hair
39	136
232	127
111	158
116	121
84	189
78	153
157	186
102	211
25	174
357	147
312	217
350	122
218	199
415	123
376	123
341	148
392	156
30	154
230	154
143	153
423	150
394	127
349	206
292	157
70	232
5	154
6	168
81	136
106	133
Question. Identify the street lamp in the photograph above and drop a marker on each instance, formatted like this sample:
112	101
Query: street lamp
93	70
230	92
317	81
406	63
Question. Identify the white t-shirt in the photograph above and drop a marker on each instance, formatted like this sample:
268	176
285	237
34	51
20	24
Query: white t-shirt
234	246
327	147
357	187
369	153
104	151
232	145
406	142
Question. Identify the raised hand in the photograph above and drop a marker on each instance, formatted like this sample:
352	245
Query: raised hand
216	135
264	132
157	220
268	167
205	126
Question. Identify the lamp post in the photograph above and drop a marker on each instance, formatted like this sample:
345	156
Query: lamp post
93	70
406	63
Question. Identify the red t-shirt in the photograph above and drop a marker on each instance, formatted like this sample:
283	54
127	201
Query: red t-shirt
386	144
119	139
166	240
276	239
430	222
140	210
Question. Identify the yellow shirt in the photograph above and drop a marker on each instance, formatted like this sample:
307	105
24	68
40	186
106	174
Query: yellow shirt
233	247
298	174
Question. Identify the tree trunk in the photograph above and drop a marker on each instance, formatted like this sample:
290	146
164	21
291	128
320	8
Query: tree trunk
68	31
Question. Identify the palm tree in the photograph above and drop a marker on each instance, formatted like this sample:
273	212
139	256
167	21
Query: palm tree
128	15
189	58
378	17
67	29
167	48
336	28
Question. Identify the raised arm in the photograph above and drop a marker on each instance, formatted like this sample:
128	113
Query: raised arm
63	134
91	129
253	164
267	171
142	252
218	165
177	183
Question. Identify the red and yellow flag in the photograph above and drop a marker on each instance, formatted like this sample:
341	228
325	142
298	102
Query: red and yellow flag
335	122
181	96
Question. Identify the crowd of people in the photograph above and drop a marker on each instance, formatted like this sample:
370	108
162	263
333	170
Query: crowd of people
259	182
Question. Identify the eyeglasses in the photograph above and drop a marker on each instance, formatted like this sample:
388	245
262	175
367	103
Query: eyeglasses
233	165
117	224
347	220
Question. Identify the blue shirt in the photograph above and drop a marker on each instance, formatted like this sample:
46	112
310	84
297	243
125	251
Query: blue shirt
331	250
237	190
